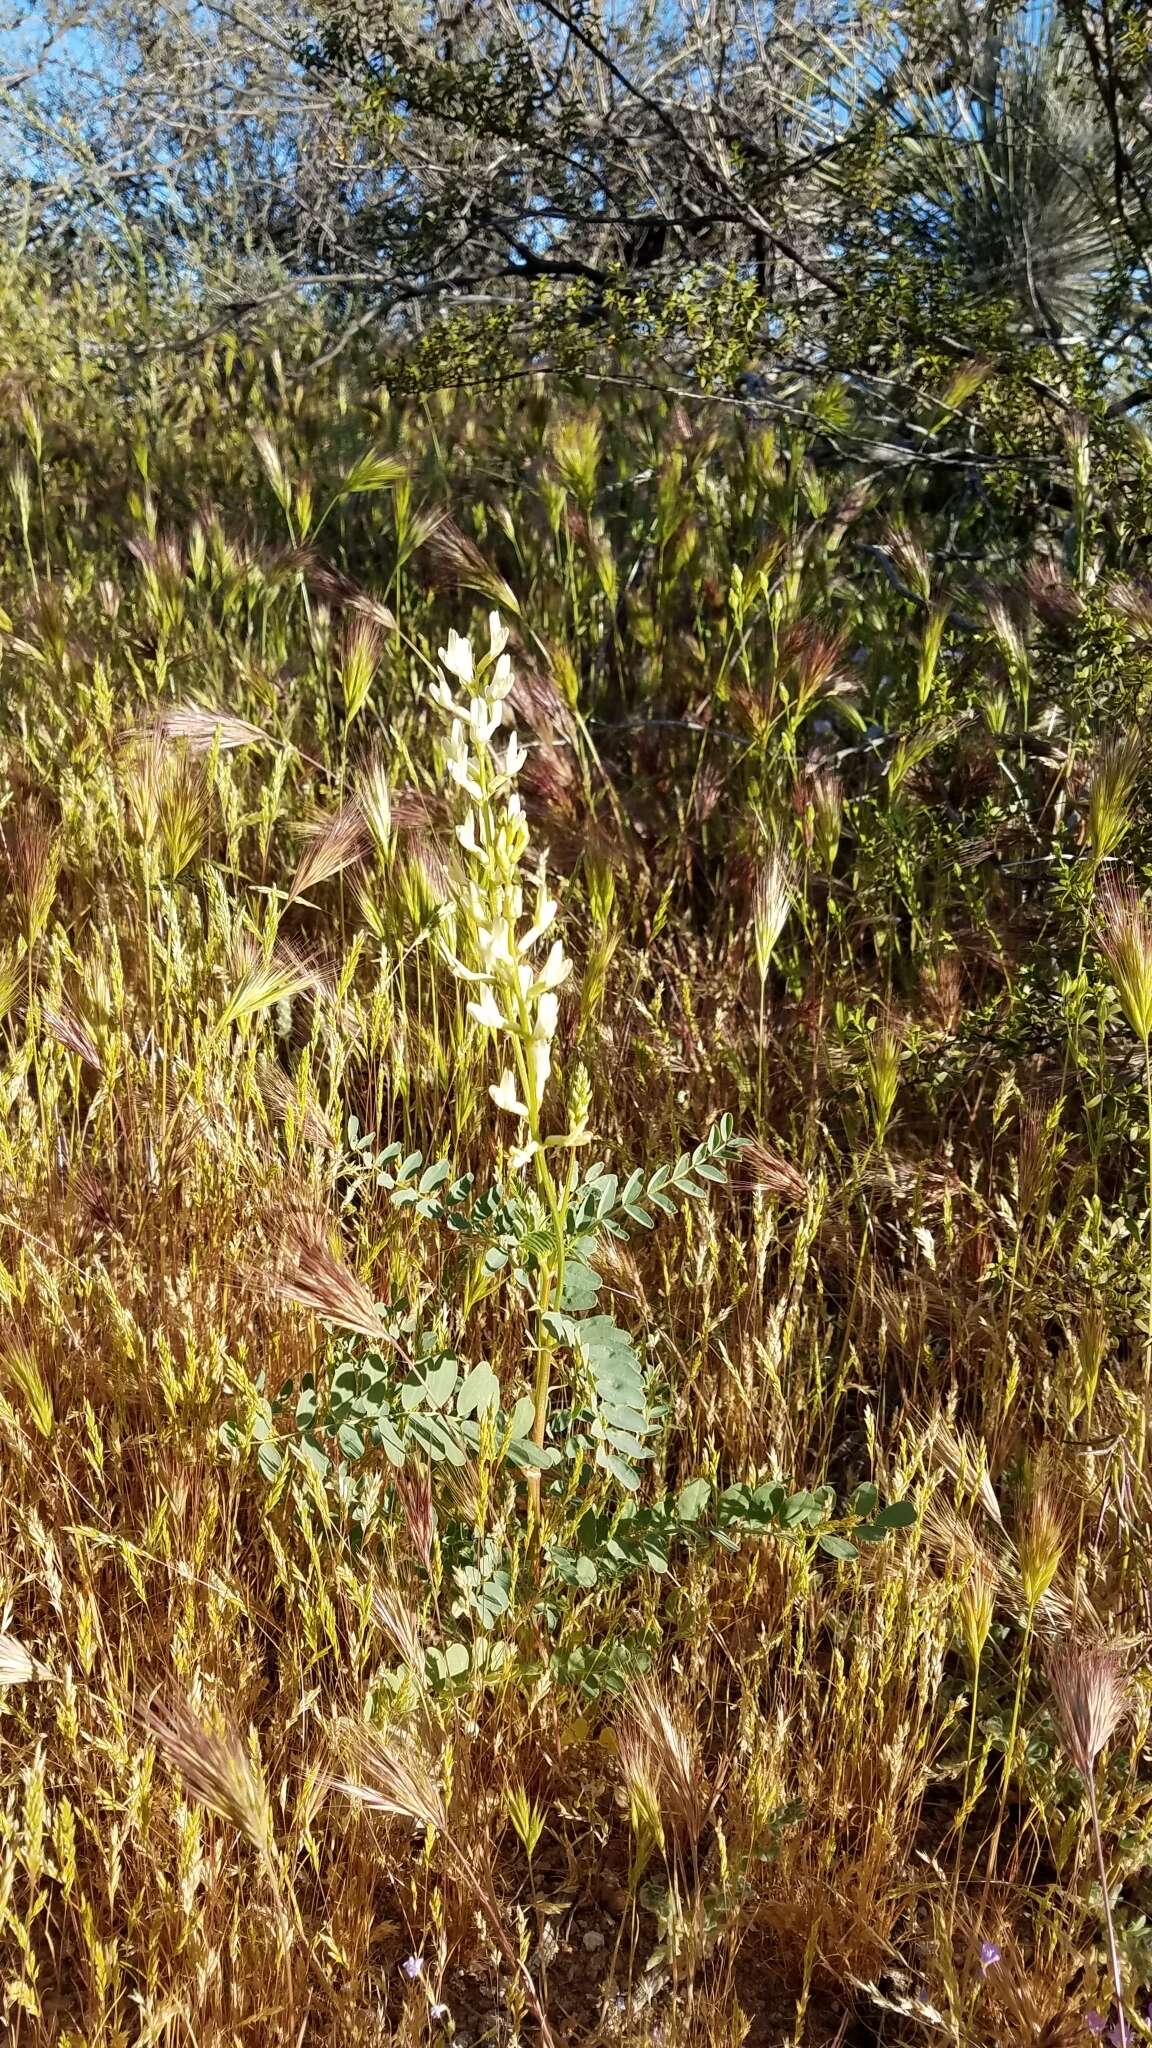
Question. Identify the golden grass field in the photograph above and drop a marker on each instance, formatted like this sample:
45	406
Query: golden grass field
356	1685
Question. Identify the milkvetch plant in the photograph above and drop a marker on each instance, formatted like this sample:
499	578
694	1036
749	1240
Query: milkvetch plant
538	1226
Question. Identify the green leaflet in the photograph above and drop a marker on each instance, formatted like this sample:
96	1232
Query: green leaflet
617	1389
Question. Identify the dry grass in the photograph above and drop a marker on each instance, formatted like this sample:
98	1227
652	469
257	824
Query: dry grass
733	1788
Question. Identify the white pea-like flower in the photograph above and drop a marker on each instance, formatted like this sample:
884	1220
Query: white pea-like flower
515	755
504	1094
461	771
514	992
483	719
545	914
488	1012
556	969
457	656
494	946
547	1011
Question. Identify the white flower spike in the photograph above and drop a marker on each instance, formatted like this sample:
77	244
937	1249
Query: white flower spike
513	990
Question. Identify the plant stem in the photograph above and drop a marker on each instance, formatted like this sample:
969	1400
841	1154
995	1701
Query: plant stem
1113	1952
760	1057
1010	1750
1148	1113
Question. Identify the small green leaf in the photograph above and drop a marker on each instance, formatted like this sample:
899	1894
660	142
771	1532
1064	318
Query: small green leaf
439	1385
480	1391
523	1453
522	1417
437	1439
622	1473
390	1442
838	1547
693	1500
802	1508
581	1287
269	1458
900	1514
434	1176
627	1446
312	1454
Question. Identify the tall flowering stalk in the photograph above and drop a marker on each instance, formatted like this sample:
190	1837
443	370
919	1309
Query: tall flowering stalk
501	944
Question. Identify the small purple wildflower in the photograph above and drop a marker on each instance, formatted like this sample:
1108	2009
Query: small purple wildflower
1095	2022
438	2012
412	1967
1120	2034
989	1956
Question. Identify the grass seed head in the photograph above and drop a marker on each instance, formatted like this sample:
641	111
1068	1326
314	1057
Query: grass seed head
285	1098
142	779
771	902
215	1768
977	1604
882	1064
1124	935
456	563
965	1459
827	814
66	1028
183	813
1090	1696
375	800
392	1774
414	1492
33	851
1052	597
309	1275
402	1627
660	1757
360	659
1040	1545
264	980
766	1172
204	729
333	845
1115	778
